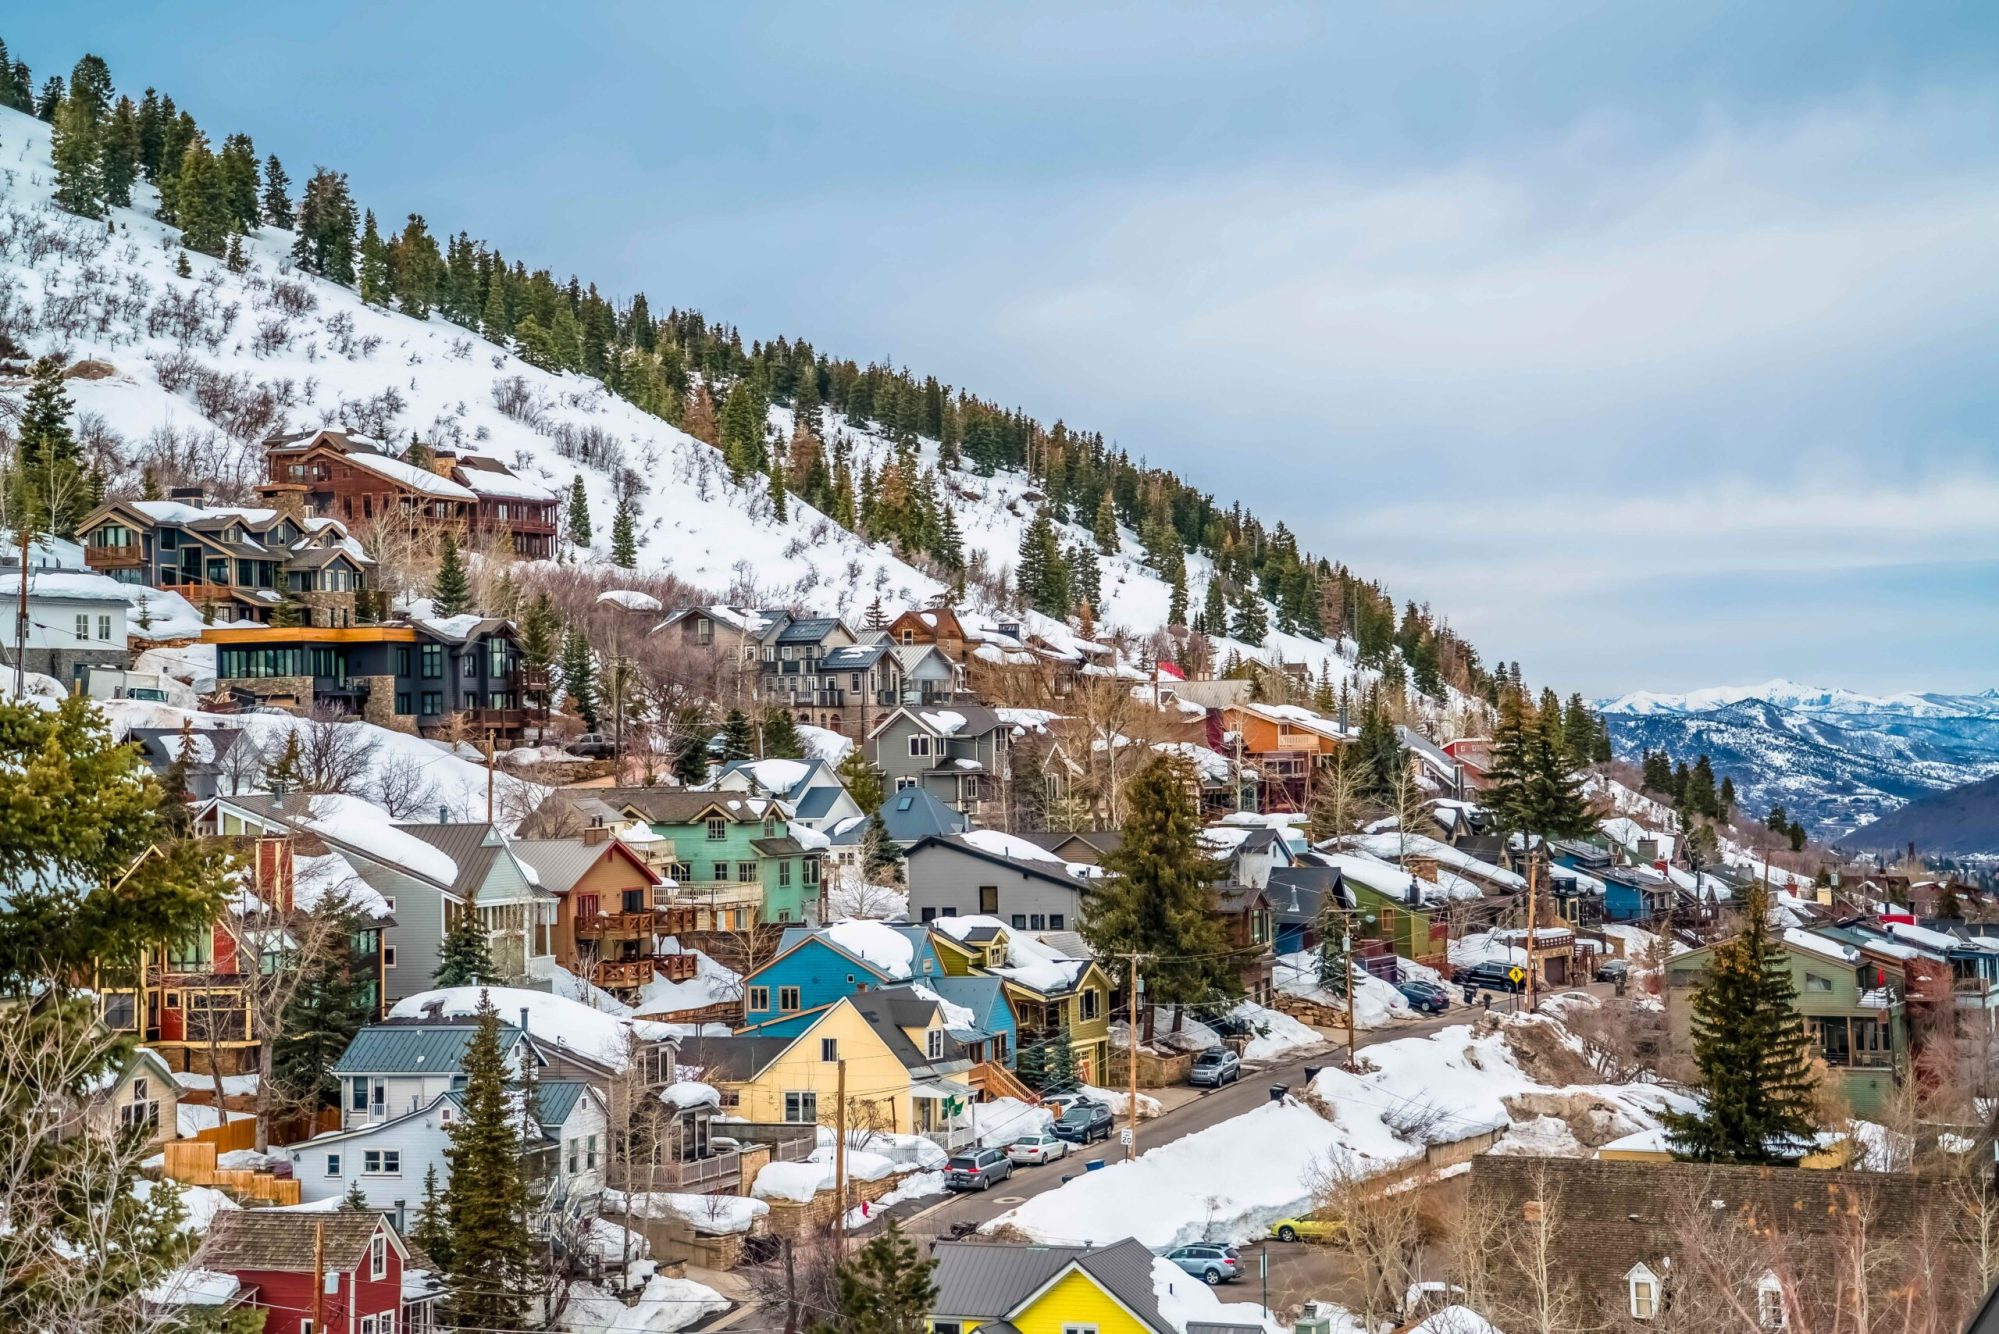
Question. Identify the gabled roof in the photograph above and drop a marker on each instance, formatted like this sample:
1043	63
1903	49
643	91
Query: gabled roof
669	805
406	1047
732	1059
809	630
561	862
853	657
913	814
555	1099
945	720
1033	870
992	1280
278	1241
1103	842
473	845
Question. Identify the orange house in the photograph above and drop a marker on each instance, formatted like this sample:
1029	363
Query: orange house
1283	741
934	625
610	917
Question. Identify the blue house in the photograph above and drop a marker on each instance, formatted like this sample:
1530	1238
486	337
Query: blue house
1634	893
815	966
976	1013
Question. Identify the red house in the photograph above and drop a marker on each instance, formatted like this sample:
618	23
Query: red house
274	1255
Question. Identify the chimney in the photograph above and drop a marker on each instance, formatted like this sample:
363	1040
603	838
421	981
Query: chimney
524	1019
277	796
187	495
596	834
443	813
1423	868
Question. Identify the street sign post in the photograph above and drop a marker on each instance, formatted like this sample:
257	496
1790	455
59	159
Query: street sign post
1516	975
1124	1136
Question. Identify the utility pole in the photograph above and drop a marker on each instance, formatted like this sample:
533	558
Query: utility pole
840	1156
1533	864
1131	1055
21	618
489	775
1346	934
318	1276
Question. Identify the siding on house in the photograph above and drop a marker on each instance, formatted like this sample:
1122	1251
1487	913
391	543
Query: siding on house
820	974
877	1082
947	880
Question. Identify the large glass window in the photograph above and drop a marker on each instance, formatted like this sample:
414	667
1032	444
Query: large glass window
433	661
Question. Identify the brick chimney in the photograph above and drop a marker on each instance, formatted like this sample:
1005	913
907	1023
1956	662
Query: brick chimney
1423	868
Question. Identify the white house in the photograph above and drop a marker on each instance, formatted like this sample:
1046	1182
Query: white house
76	620
565	1147
814	792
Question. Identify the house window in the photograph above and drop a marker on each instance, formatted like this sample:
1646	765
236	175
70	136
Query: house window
904	784
382	1162
387	1320
1037	922
801	1108
999	1046
1642	1290
1018	921
759	998
810	874
590	1154
1813	982
368	1322
433	702
784	875
718	829
388	956
305	1325
829	1049
83	627
378	1256
468	666
104	627
929	914
1770	1313
944	1326
1056	921
1091	1002
933	1044
432	656
746	872
989	899
358	1098
403	701
333	1164
1079	1329
787	998
575	1154
402	662
919	746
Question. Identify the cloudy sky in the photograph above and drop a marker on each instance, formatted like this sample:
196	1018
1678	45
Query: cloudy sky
1651	344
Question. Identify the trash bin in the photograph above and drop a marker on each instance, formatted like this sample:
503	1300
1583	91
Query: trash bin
1277	1092
1312	1072
1094	1165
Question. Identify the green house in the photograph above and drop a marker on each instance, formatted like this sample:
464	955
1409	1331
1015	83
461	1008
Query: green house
1851	1001
737	859
1380	894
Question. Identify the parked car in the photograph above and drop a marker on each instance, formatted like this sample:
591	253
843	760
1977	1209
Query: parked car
1043	1146
1216	1066
977	1169
1424	997
593	746
1308	1229
1613	970
1060	1103
1211	1262
1085	1123
1487	975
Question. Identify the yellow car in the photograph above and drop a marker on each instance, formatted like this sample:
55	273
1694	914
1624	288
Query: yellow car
1309	1229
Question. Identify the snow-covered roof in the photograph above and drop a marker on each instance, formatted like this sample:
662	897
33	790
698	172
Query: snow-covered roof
416	479
73	586
370	829
506	485
1820	945
596	1035
882	947
630	599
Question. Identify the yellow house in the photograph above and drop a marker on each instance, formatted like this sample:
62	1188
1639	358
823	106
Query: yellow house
903	1068
1067	998
1045	1289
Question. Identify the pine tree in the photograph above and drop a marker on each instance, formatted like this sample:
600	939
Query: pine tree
332	1004
781	740
1214	618
1378	756
625	534
326	220
1532	787
486	1208
1158	896
1176	602
579	677
862	780
429	1231
451	592
77	157
50	490
118	153
739	737
693	734
881	859
1105	530
200	205
236	170
90	87
277	199
884	1289
418	272
579	513
1252	622
540	640
374	263
1086	581
464	959
950	548
1753	1051
774	482
355	1201
50	103
494	320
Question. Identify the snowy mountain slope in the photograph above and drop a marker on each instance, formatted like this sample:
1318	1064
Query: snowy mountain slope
1961	822
202	368
1836	759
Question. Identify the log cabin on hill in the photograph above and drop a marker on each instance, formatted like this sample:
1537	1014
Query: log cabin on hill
353	478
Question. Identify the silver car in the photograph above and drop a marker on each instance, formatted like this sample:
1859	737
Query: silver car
1040	1147
1216	1066
1211	1262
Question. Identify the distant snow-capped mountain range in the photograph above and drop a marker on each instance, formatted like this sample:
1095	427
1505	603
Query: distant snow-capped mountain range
1836	759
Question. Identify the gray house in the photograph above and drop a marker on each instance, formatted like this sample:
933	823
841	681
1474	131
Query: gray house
952	875
428	874
959	754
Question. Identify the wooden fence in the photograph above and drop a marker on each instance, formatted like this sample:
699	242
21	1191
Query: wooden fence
192	1162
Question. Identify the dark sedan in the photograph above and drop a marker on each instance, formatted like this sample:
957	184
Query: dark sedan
1425	997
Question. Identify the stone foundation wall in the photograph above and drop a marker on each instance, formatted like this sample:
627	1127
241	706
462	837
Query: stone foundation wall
799	1221
292	692
380	708
1154	1070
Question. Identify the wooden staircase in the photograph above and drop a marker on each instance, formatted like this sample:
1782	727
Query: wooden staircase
996	1081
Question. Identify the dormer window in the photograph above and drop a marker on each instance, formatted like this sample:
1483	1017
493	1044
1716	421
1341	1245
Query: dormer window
1642	1291
933	1044
1770	1310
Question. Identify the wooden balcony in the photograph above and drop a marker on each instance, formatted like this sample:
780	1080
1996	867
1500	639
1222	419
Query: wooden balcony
673	921
113	558
613	974
616	925
499	720
676	967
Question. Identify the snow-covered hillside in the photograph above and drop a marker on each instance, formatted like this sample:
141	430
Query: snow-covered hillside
1836	759
198	370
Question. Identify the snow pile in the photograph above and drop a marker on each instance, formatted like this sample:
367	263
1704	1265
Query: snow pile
958	1018
1276	1034
797	1183
1118	1100
1004	1120
903	1150
882	948
1183	1299
715	1215
1376	1002
552	1021
664	1306
199	1204
193	1118
712	984
690	1093
630	599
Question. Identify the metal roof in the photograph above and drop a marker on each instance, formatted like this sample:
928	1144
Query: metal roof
989	1280
913	814
399	1048
555	1099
